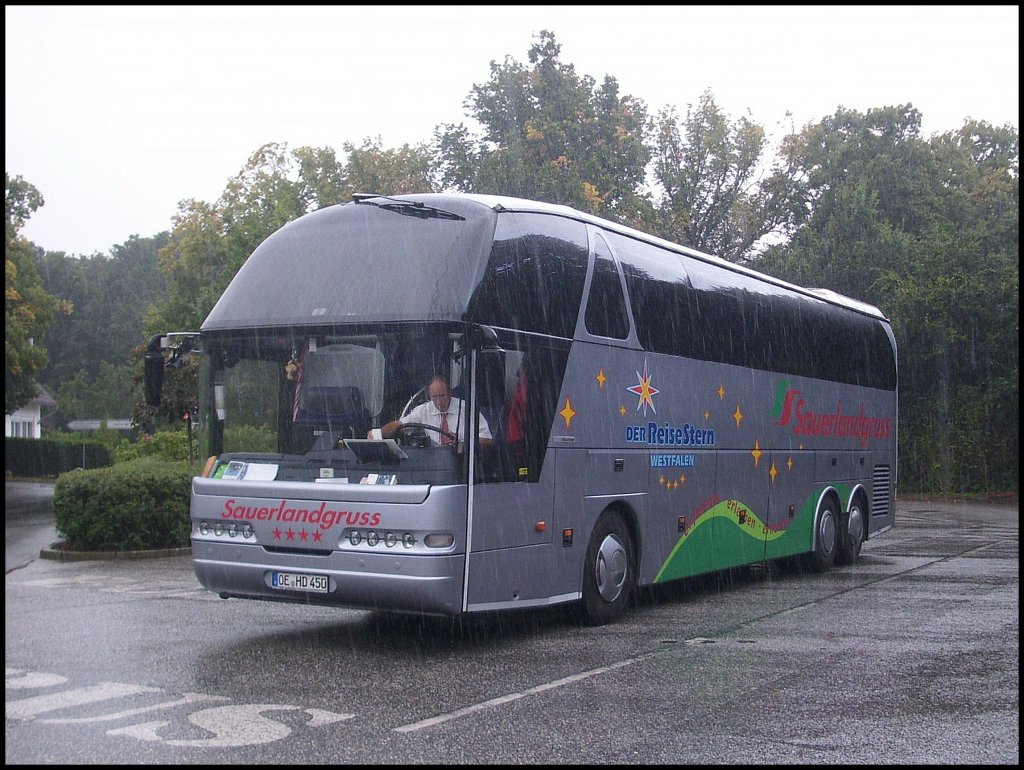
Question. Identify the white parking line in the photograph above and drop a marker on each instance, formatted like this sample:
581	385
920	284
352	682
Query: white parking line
502	699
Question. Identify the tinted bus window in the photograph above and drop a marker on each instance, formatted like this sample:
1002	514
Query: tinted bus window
687	307
746	322
518	395
534	277
658	290
606	306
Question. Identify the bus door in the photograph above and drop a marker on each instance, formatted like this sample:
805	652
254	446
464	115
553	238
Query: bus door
507	507
512	495
510	504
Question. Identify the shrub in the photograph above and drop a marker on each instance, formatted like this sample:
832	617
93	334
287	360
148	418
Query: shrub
250	438
164	444
136	505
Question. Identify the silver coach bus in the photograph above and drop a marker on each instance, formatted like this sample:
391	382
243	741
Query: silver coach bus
632	412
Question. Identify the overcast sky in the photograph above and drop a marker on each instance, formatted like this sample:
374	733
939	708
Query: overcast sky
116	114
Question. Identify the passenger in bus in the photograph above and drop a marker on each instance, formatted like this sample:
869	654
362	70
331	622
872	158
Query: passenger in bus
516	427
441	411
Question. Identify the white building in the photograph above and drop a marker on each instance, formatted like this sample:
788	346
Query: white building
26	422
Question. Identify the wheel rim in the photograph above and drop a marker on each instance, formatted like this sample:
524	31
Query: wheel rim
612	566
827	531
855	526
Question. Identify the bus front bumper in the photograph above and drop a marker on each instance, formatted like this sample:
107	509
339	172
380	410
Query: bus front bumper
429	584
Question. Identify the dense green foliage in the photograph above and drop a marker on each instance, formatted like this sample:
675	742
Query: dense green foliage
551	134
131	506
163	445
110	295
926	229
53	454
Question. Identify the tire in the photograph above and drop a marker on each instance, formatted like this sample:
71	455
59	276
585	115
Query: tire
826	536
851	533
609	572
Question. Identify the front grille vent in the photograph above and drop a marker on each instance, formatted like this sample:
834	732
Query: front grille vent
299	551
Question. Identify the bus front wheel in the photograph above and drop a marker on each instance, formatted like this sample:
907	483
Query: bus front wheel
609	572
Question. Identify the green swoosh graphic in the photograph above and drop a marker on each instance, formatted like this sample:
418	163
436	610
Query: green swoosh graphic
716	540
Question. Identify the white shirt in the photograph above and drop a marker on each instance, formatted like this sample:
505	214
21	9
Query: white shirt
428	414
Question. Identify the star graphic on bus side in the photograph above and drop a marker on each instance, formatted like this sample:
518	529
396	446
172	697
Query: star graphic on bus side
644	391
567	413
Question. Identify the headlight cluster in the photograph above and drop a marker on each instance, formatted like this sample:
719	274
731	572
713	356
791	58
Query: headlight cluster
389	539
373	538
218	528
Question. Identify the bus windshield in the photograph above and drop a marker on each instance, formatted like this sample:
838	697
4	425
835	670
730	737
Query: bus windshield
311	404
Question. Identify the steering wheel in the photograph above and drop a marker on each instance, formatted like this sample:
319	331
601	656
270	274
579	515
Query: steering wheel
414	400
409	427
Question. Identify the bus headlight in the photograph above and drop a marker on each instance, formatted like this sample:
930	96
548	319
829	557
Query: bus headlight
408	540
390	540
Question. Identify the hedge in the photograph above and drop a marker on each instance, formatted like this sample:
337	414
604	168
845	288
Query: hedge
136	505
47	457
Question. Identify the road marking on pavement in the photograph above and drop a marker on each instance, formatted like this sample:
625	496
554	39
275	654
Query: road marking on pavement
230	725
509	698
241	725
29	708
16	679
189	697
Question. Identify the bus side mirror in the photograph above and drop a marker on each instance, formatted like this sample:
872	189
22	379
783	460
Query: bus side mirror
487	339
153	372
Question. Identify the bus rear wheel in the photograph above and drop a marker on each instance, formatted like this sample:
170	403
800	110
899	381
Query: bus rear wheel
609	572
826	536
851	534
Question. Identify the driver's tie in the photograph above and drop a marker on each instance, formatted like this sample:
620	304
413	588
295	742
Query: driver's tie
445	441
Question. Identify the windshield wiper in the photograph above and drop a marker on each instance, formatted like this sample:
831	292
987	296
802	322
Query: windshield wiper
406	207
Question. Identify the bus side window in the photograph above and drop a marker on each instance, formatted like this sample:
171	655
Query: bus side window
529	398
492	397
606	305
515	432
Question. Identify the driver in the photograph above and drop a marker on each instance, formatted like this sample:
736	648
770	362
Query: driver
440	411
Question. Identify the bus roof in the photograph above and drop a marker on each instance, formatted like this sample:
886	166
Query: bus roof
507	203
327	266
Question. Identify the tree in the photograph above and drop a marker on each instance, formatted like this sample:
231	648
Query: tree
958	307
110	294
552	135
28	308
108	394
371	168
928	232
712	199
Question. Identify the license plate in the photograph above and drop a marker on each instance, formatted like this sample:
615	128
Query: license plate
291	581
